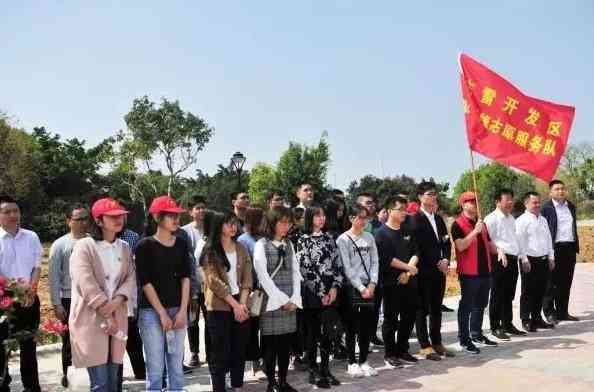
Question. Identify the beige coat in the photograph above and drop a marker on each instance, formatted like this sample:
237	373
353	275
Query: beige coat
89	341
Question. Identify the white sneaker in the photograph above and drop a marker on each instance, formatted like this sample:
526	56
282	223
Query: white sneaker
355	371
368	371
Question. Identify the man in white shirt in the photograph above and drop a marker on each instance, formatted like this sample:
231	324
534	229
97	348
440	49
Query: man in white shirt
538	259
77	220
20	258
195	230
560	213
501	226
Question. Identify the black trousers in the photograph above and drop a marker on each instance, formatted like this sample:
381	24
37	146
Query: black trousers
298	338
25	319
194	329
316	336
431	293
134	348
66	350
400	303
254	352
534	285
379	296
556	300
503	290
275	352
359	326
229	340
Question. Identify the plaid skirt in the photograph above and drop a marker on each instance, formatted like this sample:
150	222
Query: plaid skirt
278	322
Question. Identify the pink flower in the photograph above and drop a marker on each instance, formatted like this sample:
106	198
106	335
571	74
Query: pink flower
1	291
5	302
3	281
55	327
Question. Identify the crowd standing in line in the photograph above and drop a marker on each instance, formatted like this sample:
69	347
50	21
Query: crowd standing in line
323	272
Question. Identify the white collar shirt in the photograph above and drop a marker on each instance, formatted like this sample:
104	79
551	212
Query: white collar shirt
564	222
111	255
534	236
431	217
502	230
19	254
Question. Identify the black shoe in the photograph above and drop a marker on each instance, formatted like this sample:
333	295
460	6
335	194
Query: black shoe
528	326
333	380
187	369
569	318
64	381
406	357
541	324
286	387
273	388
512	330
484	341
323	383
299	365
393	362
446	309
551	319
470	347
194	361
376	341
500	334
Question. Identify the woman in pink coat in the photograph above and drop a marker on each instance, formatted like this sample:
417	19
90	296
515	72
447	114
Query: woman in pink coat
103	279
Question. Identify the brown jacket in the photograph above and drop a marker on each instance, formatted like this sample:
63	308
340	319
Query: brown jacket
216	282
89	341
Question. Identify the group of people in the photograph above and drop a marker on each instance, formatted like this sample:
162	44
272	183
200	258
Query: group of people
277	284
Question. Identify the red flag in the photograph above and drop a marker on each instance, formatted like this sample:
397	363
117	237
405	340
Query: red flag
512	128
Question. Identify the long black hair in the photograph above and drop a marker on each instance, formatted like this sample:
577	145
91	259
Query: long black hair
213	249
310	213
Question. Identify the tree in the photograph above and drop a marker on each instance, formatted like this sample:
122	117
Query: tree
491	177
382	188
577	170
301	164
18	167
216	188
263	179
166	132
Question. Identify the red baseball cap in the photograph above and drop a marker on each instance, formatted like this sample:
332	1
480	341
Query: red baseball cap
165	204
412	207
107	206
466	196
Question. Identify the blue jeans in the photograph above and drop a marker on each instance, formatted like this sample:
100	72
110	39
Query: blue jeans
474	300
104	378
156	351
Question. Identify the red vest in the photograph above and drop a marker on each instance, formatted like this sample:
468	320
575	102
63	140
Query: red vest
468	258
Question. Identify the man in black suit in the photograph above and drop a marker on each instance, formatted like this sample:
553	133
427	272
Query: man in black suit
434	255
561	216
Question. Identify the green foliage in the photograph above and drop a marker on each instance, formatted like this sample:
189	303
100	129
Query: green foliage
166	132
263	179
304	164
19	166
490	178
216	188
382	188
577	171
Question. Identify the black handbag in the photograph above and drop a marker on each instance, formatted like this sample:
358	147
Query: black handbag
356	299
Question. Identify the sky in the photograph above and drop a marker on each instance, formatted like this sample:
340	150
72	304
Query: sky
381	77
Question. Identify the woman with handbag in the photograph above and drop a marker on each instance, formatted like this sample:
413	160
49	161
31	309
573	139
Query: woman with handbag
253	230
279	277
227	270
321	269
361	265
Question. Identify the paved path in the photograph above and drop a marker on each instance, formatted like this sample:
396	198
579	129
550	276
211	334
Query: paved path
559	360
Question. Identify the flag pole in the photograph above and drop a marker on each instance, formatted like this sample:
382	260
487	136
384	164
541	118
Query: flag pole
473	171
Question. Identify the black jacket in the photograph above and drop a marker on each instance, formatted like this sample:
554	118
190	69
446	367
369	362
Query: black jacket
431	249
548	211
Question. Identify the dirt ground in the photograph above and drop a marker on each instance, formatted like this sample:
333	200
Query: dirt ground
586	234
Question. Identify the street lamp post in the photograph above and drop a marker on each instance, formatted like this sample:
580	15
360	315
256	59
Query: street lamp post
237	161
